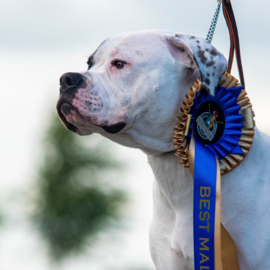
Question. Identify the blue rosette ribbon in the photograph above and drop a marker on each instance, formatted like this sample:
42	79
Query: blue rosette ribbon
227	100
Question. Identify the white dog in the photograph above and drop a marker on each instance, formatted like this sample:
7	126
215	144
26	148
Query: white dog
131	94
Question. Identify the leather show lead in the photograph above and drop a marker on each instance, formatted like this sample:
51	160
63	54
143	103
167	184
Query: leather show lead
235	43
234	38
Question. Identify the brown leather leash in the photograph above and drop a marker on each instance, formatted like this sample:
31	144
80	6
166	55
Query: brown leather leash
234	37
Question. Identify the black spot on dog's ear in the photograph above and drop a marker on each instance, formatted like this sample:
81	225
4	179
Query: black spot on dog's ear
210	64
202	56
90	61
213	52
207	81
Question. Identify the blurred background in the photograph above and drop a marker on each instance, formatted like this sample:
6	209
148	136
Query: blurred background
84	202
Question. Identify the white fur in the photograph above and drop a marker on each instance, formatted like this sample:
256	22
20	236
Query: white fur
146	95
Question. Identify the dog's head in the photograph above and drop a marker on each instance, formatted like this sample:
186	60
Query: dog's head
134	85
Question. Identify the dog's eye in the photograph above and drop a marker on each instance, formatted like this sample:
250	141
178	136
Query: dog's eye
118	64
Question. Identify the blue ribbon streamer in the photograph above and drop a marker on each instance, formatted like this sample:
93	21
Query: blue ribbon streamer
205	172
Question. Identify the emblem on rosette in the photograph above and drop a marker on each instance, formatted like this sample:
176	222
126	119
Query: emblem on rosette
209	122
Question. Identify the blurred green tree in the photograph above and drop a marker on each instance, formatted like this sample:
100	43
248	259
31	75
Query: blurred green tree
75	200
2	220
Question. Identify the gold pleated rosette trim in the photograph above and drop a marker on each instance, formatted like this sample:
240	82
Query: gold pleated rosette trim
182	128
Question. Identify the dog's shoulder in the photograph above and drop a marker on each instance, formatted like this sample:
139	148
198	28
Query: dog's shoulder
256	165
260	149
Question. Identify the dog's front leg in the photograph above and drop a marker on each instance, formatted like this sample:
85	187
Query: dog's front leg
170	235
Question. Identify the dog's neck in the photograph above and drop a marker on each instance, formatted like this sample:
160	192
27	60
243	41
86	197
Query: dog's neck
173	180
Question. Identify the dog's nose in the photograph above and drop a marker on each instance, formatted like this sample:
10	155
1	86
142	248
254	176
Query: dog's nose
70	79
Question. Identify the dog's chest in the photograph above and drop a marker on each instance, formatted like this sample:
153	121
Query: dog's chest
173	195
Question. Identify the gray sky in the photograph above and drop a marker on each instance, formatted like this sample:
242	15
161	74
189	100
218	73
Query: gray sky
40	40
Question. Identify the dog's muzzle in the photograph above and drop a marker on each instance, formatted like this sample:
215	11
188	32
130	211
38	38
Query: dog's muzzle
69	85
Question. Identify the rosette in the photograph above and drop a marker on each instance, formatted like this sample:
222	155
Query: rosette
224	122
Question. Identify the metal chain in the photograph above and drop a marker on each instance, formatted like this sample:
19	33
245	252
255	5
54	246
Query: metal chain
214	23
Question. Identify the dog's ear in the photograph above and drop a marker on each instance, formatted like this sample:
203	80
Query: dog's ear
197	52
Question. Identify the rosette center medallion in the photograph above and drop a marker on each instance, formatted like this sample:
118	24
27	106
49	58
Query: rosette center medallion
209	123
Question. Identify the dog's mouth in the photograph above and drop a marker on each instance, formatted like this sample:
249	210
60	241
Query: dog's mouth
113	129
65	108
